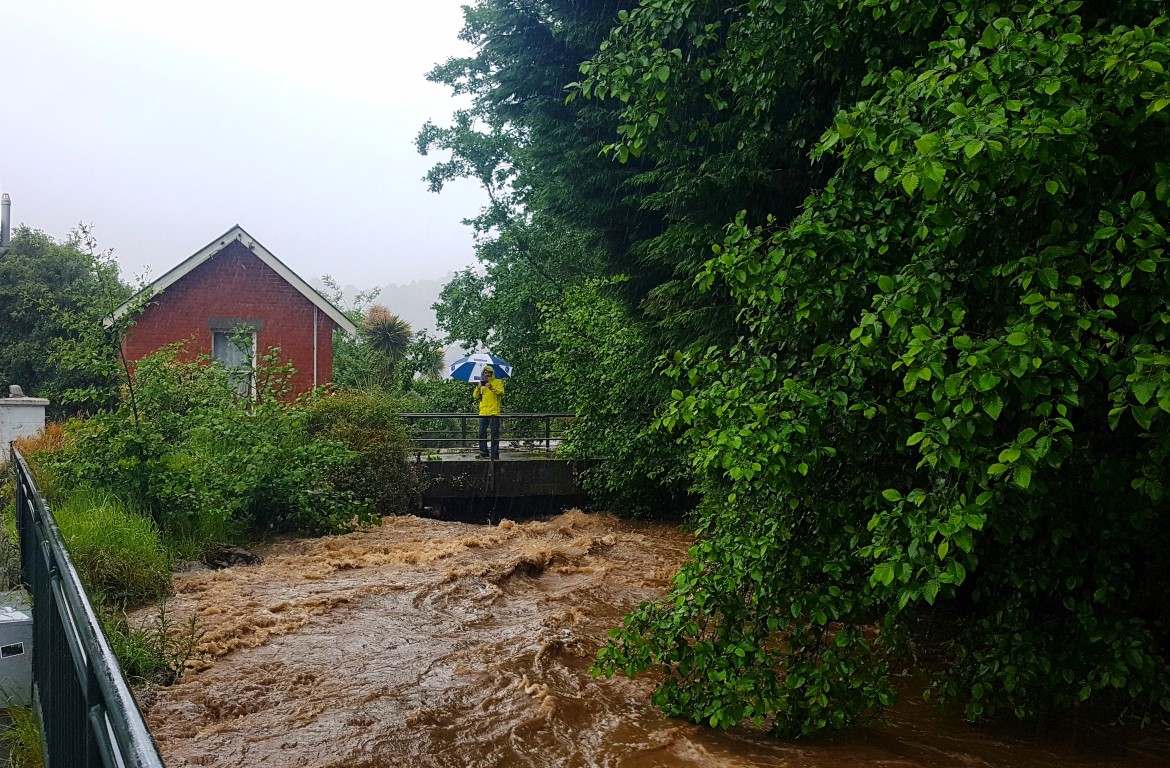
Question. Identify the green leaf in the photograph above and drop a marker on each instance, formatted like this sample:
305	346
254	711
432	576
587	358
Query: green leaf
1017	339
926	145
1144	416
891	494
1022	476
987	381
993	406
1144	390
910	182
881	173
663	72
887	284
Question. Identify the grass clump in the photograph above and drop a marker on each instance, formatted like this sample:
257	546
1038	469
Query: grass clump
21	739
118	553
156	650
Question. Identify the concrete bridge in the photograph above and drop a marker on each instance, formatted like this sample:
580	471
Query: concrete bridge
528	479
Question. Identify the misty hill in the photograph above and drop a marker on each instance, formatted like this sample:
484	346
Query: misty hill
412	302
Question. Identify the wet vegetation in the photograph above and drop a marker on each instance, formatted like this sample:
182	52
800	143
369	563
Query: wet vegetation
884	282
21	739
182	465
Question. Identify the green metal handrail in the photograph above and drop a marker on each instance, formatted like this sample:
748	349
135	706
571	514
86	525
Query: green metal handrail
88	715
526	431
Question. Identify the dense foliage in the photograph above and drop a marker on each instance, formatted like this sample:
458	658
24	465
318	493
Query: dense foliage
368	423
53	297
932	394
559	216
182	448
948	391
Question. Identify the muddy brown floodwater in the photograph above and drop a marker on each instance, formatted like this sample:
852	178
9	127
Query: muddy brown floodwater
426	643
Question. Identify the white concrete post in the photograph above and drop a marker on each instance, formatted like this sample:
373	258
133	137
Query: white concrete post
20	417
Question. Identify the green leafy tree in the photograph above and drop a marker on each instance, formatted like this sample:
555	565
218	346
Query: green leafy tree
53	298
950	394
358	362
559	216
424	358
609	371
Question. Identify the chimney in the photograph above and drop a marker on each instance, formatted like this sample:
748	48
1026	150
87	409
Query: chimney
5	220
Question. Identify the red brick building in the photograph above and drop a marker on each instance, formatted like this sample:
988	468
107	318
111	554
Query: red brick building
233	294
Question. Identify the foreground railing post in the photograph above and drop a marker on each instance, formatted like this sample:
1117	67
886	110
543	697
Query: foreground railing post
88	715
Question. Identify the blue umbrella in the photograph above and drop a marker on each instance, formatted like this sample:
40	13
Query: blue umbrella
470	368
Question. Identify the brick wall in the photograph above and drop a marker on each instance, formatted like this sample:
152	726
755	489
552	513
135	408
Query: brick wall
236	284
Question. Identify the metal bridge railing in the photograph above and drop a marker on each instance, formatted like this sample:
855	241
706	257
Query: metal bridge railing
460	431
88	715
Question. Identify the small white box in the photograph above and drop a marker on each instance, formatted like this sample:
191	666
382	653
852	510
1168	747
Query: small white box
16	640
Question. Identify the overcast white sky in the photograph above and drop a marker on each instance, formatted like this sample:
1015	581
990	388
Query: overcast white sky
166	123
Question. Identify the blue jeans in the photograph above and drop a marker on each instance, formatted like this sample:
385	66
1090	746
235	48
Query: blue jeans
494	422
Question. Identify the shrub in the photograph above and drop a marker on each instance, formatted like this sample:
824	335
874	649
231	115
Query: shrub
206	465
446	396
368	423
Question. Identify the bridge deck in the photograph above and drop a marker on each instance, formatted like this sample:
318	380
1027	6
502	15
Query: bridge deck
464	487
528	475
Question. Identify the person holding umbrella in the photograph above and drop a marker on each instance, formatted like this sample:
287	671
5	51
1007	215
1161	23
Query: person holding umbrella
489	393
487	372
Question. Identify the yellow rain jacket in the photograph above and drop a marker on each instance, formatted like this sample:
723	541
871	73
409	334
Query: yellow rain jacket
489	397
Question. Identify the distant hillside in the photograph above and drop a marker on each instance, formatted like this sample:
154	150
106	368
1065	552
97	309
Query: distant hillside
412	302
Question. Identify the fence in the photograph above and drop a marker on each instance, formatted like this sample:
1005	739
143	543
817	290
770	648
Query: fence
460	431
89	717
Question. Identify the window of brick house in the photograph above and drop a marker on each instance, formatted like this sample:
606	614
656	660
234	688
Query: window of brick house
235	350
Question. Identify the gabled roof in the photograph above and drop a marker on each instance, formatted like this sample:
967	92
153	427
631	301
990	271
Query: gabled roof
215	246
